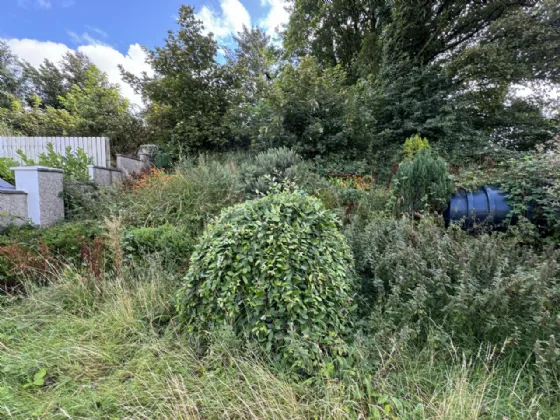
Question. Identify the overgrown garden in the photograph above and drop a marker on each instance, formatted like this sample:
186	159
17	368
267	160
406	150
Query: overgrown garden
287	256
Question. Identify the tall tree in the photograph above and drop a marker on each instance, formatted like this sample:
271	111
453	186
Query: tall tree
12	83
189	93
51	81
252	66
441	68
102	111
339	32
75	66
48	83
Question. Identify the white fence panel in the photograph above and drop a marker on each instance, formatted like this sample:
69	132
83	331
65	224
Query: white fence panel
97	148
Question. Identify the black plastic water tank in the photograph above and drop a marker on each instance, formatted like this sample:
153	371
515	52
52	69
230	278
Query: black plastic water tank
488	204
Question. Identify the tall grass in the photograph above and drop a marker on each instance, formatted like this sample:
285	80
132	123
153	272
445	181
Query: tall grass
119	354
190	195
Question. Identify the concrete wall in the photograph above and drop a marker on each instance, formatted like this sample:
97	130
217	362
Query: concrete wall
13	208
104	176
130	165
45	205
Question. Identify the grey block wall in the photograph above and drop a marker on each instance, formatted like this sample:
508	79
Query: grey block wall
104	176
131	166
13	208
50	197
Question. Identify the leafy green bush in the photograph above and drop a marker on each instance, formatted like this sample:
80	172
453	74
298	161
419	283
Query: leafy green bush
88	201
5	173
310	109
275	268
533	181
340	164
269	167
171	242
422	182
474	289
74	164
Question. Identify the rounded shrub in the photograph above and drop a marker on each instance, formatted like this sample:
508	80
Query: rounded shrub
275	269
271	167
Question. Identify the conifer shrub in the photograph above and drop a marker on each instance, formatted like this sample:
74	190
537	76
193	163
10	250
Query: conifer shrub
275	269
413	145
422	183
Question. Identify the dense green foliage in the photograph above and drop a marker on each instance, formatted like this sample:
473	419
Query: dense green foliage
188	94
422	183
73	98
276	269
440	321
532	183
73	163
170	242
443	70
285	312
481	289
5	173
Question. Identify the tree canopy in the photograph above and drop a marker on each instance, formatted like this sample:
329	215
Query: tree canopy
71	98
351	77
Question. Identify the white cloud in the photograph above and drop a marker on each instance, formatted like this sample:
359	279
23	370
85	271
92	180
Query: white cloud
35	52
277	16
108	59
98	31
233	15
44	4
230	21
41	4
103	56
84	39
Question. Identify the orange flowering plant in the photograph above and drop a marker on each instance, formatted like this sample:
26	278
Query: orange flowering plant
154	176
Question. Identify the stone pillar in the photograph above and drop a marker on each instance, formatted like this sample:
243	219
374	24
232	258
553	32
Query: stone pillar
147	152
44	193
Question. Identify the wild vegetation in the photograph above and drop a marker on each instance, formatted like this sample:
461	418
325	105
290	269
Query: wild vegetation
287	257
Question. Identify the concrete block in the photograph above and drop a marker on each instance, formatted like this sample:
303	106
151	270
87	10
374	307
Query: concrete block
13	208
104	176
44	188
131	166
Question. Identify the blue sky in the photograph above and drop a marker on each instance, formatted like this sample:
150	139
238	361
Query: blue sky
110	32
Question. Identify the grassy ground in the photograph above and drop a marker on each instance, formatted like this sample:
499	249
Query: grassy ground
70	351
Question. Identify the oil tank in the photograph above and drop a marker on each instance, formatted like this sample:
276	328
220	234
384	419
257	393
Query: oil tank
487	204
